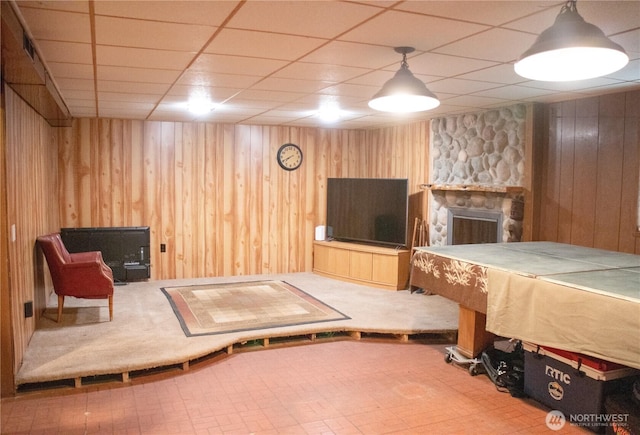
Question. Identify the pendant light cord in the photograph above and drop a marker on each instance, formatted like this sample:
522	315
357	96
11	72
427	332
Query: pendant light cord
404	63
570	6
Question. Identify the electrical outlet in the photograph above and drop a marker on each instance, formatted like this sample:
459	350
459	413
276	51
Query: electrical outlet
28	309
163	247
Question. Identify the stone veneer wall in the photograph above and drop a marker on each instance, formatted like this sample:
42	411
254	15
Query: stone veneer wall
480	149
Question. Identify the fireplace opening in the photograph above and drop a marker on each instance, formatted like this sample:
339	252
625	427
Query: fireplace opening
469	226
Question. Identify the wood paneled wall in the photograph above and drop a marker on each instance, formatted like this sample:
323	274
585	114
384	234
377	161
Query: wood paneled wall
590	173
32	206
7	379
214	193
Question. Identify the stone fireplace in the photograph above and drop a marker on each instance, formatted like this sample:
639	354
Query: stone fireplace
477	177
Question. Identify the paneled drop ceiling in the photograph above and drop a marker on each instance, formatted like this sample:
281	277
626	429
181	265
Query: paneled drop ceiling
281	62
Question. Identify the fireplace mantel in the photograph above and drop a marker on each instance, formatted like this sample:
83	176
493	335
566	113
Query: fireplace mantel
473	188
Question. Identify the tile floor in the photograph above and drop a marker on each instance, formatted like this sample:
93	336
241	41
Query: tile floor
339	387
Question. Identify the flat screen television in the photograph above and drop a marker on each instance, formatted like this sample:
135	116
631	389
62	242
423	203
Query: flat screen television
124	249
368	210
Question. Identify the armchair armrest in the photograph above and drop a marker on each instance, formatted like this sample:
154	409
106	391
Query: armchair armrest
92	256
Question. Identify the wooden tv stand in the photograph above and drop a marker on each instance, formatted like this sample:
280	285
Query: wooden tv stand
376	266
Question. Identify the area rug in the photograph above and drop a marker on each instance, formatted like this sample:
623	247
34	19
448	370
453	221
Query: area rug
243	306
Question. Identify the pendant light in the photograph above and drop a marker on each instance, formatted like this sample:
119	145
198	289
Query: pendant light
571	49
404	93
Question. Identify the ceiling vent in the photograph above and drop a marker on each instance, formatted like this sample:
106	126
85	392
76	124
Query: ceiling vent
28	46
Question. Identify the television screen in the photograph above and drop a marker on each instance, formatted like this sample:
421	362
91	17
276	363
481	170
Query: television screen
370	210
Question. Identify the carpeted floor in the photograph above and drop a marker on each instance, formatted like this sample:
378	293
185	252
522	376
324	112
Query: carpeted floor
145	333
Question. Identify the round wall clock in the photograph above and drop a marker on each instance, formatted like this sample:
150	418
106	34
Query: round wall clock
289	156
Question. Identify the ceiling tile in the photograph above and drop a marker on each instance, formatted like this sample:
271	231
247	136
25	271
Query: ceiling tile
513	92
140	75
499	45
351	90
196	79
502	73
319	71
132	87
419	31
291	85
216	63
151	34
207	12
142	58
183	93
84	112
459	86
446	66
58	5
71	70
70	52
274	97
492	13
475	101
121	97
77	27
262	45
138	106
536	22
69	84
79	94
319	19
354	54
610	16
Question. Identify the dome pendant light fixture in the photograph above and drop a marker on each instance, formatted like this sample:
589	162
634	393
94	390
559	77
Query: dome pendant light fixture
571	49
404	93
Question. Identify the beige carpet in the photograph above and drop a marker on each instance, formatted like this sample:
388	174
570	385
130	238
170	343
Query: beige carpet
145	332
210	309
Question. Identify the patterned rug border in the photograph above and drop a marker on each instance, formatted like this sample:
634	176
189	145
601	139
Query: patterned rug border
188	333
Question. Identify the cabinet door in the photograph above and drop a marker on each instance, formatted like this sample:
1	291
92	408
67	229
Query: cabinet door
340	261
385	269
321	258
360	265
331	260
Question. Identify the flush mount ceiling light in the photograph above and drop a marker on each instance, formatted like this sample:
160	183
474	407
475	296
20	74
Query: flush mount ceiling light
329	112
200	104
404	93
571	49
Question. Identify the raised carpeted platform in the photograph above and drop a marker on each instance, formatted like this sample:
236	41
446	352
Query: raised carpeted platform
145	334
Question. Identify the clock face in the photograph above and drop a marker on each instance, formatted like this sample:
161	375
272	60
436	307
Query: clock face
289	156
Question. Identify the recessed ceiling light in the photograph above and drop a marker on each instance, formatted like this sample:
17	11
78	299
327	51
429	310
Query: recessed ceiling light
329	112
200	105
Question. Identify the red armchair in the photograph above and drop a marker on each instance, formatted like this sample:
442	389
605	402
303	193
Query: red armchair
81	275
